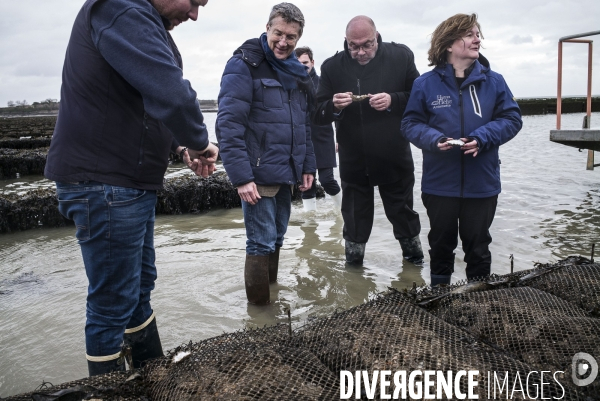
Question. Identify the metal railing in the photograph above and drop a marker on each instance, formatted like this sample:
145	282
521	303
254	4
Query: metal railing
587	120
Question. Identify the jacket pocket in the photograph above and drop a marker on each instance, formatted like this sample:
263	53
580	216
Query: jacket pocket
302	99
258	151
271	94
142	140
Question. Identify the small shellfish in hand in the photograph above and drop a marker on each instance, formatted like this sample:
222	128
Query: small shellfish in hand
455	142
358	98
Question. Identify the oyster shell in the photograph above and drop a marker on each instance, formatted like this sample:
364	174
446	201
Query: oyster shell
455	142
358	98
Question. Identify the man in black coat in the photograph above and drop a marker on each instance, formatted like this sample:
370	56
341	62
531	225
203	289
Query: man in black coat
324	144
364	89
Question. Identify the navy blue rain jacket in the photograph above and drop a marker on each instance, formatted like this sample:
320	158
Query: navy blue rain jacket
483	108
262	129
123	99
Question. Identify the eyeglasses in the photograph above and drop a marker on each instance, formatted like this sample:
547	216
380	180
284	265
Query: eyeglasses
290	40
369	45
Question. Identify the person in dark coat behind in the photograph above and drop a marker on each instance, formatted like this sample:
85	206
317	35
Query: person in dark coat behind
460	99
263	128
324	144
364	89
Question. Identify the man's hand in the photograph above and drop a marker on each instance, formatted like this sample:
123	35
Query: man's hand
307	181
381	101
202	162
249	193
342	100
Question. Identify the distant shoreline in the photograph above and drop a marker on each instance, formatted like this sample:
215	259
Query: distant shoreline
529	106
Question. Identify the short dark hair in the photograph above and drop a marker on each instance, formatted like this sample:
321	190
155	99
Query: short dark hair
304	50
289	13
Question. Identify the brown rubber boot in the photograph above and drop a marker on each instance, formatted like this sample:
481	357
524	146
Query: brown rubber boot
256	276
274	265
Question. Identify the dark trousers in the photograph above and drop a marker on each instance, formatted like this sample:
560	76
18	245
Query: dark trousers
469	218
358	209
328	182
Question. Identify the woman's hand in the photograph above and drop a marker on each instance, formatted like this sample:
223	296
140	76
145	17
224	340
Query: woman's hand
470	146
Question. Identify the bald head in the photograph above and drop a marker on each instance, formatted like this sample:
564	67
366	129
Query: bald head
361	38
359	24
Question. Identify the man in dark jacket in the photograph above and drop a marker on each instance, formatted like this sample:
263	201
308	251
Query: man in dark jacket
124	106
364	89
324	144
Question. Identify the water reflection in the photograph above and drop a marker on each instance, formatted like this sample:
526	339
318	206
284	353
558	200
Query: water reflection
574	231
324	278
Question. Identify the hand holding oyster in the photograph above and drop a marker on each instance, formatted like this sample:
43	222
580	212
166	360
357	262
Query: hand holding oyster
358	98
455	142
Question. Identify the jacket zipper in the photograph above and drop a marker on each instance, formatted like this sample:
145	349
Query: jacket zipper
293	142
145	131
462	135
261	148
361	121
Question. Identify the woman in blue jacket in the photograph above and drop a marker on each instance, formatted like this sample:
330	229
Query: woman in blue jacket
263	129
459	114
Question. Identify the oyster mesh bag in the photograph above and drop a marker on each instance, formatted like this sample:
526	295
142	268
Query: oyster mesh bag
576	283
110	386
533	326
504	327
248	365
390	333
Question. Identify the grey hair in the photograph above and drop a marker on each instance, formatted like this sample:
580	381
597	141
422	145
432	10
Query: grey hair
289	13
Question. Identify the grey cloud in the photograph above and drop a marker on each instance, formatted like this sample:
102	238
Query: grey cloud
518	39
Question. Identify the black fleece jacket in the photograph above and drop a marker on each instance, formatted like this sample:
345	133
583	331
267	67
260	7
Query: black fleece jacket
371	149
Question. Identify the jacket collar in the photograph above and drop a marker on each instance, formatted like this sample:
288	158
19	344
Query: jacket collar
479	71
251	52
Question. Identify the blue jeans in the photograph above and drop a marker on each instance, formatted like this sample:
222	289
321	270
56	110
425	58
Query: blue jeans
267	221
115	230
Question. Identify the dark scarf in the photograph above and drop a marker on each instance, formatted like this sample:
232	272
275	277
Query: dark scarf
289	71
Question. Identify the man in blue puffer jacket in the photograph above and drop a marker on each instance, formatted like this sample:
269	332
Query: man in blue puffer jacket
461	98
263	129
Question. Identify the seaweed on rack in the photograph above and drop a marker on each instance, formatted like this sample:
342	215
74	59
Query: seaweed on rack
22	162
19	127
37	208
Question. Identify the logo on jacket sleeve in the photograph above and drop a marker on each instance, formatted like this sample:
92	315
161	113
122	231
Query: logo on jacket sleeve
441	101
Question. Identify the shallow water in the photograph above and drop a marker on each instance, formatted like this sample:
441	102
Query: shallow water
547	211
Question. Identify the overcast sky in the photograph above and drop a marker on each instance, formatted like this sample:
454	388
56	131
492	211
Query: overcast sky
521	39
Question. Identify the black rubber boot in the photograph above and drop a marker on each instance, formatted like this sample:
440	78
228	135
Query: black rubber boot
144	342
355	252
437	279
411	250
101	367
256	276
274	265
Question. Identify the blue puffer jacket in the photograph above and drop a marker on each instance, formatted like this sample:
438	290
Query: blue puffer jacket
262	129
483	108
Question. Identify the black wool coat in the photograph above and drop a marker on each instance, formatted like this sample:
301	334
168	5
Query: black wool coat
322	136
371	147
